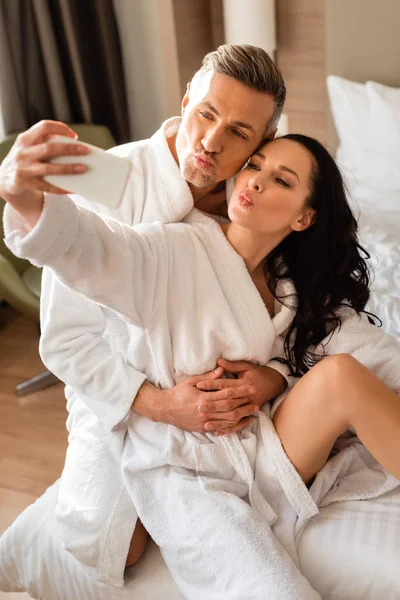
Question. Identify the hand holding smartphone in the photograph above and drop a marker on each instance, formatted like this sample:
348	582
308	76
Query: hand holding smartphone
105	179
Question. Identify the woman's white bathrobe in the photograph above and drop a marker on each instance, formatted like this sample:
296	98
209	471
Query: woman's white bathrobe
190	292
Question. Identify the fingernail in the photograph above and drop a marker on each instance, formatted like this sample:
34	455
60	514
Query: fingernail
209	426
252	390
256	409
199	386
79	168
82	150
203	408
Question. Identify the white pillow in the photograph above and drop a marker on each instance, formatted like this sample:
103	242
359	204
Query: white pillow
382	158
349	104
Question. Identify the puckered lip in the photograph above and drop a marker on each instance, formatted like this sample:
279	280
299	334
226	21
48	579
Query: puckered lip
245	197
205	159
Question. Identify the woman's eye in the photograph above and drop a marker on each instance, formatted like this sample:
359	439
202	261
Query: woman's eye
253	166
281	182
206	115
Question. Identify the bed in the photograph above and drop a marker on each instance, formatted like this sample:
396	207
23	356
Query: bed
367	119
380	236
349	550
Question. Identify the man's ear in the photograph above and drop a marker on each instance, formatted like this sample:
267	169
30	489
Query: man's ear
185	99
305	221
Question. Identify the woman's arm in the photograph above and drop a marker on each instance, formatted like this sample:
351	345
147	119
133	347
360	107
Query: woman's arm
106	261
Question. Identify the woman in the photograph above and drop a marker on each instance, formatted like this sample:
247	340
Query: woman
192	291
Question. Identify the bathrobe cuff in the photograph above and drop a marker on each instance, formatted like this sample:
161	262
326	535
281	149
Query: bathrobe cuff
283	370
52	234
112	413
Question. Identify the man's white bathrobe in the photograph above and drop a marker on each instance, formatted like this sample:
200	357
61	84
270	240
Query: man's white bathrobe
100	358
208	502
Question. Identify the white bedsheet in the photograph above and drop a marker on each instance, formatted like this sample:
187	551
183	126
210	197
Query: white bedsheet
379	220
349	551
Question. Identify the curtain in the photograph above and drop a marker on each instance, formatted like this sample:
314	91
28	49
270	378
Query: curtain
61	59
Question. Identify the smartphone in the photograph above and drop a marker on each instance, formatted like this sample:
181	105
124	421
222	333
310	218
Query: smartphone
105	179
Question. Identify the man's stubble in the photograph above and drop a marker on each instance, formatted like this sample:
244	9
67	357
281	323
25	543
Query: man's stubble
197	177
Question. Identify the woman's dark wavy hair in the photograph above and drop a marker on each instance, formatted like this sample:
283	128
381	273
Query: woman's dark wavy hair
325	262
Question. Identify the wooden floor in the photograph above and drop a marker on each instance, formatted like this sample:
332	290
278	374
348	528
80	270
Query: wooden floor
33	437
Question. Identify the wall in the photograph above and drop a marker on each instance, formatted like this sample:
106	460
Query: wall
199	30
149	50
301	57
163	43
368	47
355	39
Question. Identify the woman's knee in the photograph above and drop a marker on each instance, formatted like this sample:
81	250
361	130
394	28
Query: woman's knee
331	379
138	544
337	370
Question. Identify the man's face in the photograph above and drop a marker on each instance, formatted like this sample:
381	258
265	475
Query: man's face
223	123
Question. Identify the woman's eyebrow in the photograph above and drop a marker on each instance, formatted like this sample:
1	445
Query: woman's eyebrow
281	167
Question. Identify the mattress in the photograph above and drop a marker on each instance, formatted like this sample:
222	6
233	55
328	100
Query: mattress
348	552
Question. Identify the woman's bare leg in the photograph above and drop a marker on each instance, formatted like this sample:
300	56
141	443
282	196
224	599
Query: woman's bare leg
138	544
336	393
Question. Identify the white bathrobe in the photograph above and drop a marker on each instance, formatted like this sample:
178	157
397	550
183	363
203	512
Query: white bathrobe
100	358
192	295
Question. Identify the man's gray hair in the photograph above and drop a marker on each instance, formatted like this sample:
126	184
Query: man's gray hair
251	66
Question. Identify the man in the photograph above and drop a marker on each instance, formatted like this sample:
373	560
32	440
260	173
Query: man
231	105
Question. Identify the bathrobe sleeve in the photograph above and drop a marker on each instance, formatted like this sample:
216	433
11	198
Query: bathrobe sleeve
79	338
369	344
278	351
117	266
73	347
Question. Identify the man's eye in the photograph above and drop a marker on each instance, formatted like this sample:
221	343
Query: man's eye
206	115
281	182
238	134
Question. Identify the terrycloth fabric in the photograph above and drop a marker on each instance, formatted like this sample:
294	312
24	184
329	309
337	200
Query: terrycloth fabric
85	345
32	560
188	487
189	322
99	356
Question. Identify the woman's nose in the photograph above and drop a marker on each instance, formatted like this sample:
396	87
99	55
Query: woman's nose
255	184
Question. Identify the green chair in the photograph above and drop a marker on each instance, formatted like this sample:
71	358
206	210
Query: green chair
19	280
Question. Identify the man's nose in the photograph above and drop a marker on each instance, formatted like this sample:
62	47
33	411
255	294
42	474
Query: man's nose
212	141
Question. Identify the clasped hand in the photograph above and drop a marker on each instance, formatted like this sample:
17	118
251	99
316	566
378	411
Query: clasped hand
218	405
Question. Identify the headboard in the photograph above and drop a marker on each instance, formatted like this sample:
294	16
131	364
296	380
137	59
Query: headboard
362	42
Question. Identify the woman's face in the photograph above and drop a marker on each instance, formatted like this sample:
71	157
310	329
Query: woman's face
271	191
